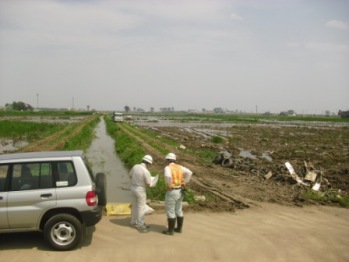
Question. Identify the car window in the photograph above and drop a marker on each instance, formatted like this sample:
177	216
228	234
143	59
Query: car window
44	172
3	174
22	178
27	176
66	174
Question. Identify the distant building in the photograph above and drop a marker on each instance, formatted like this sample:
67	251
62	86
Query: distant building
343	114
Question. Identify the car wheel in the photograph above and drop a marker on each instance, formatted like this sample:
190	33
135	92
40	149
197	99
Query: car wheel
101	189
63	232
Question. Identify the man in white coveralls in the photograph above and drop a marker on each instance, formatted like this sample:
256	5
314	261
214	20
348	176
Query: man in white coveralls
140	180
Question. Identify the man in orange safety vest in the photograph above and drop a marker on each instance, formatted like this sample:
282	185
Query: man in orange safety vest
176	177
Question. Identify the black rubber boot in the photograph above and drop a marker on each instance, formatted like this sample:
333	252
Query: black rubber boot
171	224
178	229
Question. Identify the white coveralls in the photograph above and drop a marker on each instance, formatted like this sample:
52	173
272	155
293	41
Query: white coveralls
174	198
140	179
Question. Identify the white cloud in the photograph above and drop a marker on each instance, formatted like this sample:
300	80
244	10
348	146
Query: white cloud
327	47
293	44
337	24
235	16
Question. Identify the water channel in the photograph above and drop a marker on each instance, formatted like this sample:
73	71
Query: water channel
103	158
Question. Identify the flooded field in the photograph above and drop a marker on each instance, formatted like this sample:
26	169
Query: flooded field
43	119
256	168
8	145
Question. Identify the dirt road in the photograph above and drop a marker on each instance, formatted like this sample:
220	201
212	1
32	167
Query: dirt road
266	233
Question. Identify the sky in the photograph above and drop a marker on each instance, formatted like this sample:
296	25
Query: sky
238	55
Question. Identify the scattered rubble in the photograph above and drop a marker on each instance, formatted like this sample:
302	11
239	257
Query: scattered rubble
311	178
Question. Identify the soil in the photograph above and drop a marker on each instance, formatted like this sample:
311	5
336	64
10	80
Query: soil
267	233
256	150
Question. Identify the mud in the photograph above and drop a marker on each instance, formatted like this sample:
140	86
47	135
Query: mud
258	150
9	145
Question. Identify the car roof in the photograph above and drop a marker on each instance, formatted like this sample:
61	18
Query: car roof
43	154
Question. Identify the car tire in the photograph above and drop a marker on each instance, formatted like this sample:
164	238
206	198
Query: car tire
101	189
63	232
228	162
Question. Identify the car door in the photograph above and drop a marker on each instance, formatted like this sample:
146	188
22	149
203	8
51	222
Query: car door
32	194
3	197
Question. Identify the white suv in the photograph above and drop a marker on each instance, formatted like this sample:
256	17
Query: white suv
53	192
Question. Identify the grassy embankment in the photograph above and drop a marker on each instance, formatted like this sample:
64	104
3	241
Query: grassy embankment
131	151
83	139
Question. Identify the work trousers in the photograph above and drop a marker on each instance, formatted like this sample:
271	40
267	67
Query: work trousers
173	203
138	205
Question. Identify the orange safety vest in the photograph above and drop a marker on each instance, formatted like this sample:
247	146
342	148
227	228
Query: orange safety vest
177	175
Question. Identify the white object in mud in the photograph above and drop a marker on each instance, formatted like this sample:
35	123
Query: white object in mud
294	175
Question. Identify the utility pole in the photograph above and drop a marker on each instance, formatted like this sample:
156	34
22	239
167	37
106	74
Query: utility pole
37	101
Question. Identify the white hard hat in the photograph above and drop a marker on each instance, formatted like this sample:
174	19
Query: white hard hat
148	159
171	156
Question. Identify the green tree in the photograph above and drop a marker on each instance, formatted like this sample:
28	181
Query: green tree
20	106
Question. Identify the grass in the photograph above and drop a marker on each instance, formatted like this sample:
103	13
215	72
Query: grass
217	139
127	148
145	134
328	196
206	154
83	139
27	130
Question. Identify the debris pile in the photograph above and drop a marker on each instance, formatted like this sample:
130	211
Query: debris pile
310	177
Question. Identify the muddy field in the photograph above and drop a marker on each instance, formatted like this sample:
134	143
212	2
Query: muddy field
256	171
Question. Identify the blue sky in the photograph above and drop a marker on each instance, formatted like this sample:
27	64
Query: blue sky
235	54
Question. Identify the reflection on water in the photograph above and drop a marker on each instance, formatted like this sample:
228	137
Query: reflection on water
103	158
43	119
9	145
